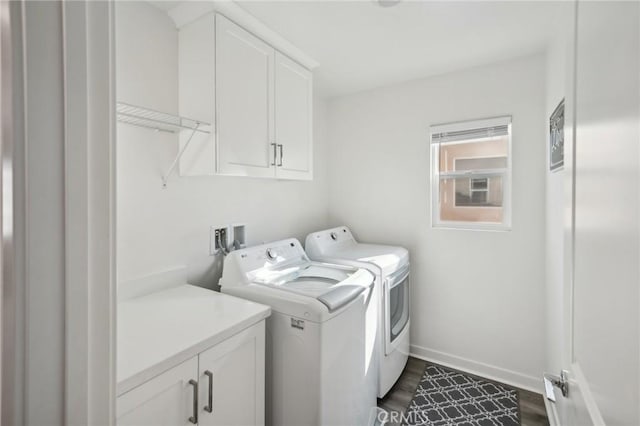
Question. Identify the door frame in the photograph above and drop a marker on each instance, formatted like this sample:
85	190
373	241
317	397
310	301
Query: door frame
10	394
82	386
90	206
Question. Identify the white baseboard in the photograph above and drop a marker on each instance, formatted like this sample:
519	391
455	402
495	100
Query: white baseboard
513	378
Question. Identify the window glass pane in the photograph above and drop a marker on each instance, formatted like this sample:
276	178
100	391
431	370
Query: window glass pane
478	198
480	163
480	183
479	154
469	199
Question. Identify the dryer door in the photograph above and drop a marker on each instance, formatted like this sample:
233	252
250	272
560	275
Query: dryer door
396	307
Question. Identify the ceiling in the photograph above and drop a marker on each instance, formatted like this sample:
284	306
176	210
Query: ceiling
165	5
361	45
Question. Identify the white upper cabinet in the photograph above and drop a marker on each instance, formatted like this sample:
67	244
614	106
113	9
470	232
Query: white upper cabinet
259	101
293	113
263	108
244	102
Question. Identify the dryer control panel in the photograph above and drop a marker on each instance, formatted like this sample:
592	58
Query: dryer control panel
320	243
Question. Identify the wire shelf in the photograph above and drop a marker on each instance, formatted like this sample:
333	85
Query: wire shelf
157	120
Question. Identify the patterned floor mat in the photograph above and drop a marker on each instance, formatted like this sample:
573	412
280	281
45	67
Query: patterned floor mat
447	397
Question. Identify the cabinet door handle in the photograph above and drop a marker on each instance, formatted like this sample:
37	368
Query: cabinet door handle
194	419
275	149
209	408
281	154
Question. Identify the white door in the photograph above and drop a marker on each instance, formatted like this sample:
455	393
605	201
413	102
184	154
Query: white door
244	97
166	400
293	103
602	235
232	380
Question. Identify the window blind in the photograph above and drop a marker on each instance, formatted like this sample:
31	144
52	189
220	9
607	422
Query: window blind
470	130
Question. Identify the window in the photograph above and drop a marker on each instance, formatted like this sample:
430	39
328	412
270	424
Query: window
471	171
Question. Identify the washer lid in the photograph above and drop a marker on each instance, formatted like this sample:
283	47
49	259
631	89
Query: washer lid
334	287
284	266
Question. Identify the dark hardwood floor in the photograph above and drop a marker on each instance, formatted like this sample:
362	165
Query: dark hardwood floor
532	411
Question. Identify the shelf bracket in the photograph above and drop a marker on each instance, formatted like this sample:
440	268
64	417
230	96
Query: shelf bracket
166	176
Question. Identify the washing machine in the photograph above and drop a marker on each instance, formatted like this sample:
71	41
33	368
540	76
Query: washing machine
316	334
390	265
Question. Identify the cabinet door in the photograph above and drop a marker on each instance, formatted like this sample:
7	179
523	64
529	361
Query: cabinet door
244	97
196	71
232	380
293	103
165	400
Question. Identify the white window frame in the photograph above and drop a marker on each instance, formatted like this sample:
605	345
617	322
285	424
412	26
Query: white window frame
436	175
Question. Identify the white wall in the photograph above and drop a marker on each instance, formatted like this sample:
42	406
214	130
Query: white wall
163	228
478	298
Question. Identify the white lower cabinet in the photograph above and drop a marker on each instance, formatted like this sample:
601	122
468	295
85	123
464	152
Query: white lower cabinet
165	400
232	382
222	386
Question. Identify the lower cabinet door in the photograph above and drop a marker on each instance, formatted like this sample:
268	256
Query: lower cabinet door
231	376
165	400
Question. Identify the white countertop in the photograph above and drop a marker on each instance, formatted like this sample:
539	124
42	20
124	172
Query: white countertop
160	330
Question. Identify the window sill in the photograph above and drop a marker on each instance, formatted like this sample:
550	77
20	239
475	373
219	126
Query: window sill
467	226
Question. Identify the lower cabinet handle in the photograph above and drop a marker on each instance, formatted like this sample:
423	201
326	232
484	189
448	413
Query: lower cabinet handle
275	154
209	407
281	153
194	419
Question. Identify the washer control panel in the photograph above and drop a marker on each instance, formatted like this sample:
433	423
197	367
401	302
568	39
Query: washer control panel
271	254
252	263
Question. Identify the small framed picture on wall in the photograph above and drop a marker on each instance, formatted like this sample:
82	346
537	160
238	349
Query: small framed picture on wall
556	138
